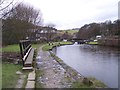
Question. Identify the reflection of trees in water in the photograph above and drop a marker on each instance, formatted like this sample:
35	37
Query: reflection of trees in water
100	49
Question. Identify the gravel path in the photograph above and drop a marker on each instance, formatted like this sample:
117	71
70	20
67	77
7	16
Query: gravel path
54	75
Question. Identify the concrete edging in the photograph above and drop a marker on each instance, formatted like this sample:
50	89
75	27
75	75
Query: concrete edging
31	80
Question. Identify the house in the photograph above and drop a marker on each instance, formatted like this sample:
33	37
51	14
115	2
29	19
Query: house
45	33
98	37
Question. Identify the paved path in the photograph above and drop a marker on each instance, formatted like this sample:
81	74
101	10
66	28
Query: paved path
54	76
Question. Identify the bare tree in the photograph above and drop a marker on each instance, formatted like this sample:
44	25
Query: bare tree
26	13
20	22
6	6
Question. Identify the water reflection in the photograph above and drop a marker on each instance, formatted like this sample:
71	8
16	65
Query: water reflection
92	60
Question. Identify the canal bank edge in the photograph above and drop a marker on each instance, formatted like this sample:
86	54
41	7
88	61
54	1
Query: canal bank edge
79	81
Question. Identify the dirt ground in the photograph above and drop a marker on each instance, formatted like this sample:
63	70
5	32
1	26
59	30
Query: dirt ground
12	57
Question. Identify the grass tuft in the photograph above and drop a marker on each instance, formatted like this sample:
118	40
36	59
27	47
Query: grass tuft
97	83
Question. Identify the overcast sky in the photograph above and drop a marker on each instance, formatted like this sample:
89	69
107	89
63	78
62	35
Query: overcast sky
66	14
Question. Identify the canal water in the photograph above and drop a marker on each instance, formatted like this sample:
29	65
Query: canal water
92	61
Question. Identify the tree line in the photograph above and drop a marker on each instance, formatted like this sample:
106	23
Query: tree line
105	29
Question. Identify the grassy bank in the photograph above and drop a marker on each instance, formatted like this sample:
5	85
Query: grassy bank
9	77
48	47
93	43
36	46
16	48
69	31
11	48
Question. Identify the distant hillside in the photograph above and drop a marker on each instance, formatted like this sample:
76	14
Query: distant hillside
75	28
69	31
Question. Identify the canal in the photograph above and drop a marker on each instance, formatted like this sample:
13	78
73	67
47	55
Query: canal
92	61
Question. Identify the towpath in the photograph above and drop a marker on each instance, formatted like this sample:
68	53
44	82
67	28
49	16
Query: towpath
53	74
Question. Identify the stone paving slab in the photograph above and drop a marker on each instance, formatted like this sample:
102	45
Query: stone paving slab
30	84
31	76
27	68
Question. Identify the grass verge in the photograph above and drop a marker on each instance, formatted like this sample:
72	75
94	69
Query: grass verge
96	84
48	47
16	48
78	84
11	48
39	73
36	46
9	77
93	43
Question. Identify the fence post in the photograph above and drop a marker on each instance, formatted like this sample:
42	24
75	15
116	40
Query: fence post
21	52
